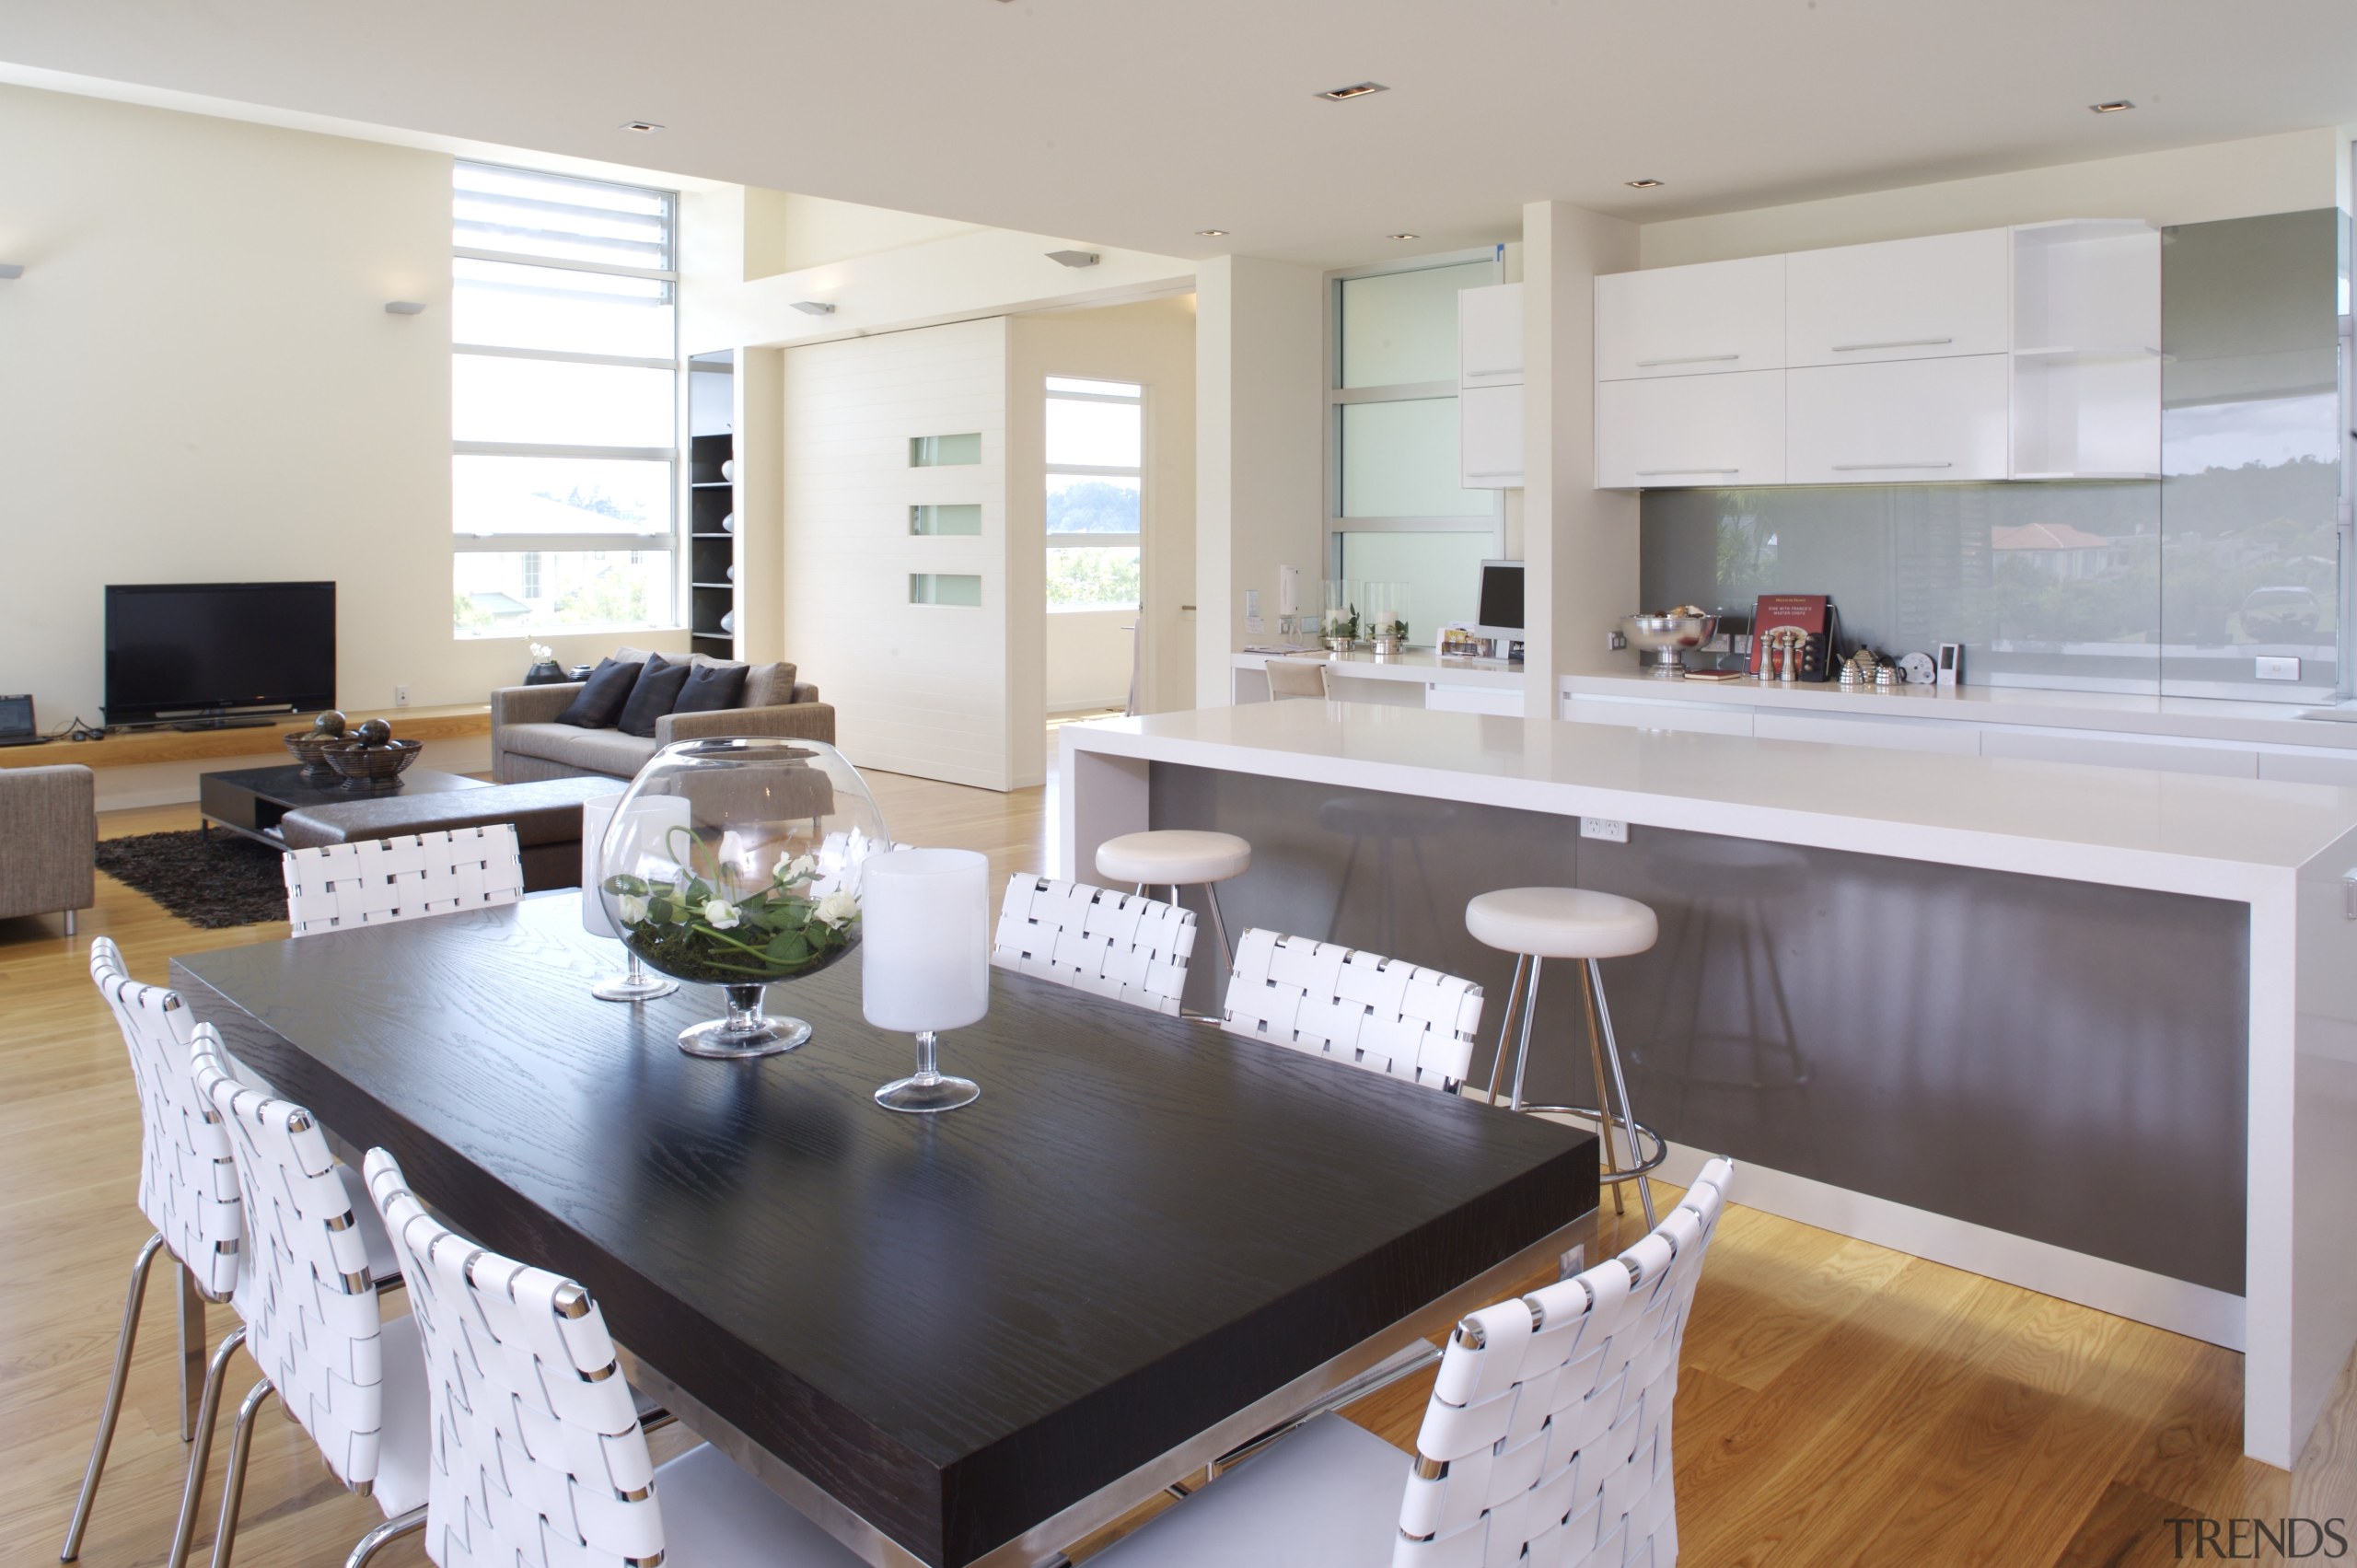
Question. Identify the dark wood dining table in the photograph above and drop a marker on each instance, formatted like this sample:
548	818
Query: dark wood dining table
953	1340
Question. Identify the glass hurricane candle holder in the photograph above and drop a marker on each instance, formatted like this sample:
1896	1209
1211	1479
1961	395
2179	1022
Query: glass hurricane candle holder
759	883
1339	627
1387	616
636	983
928	964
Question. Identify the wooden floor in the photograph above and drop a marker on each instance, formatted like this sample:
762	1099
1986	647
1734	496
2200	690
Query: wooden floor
1839	1402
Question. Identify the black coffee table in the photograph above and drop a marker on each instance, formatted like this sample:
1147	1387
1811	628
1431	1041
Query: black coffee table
252	800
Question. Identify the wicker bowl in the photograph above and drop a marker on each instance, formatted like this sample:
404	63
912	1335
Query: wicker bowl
377	765
308	746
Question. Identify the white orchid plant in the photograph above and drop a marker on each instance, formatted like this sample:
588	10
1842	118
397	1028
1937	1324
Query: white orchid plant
719	923
541	653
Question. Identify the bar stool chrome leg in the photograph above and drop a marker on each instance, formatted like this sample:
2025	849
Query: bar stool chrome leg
1646	1149
1506	1023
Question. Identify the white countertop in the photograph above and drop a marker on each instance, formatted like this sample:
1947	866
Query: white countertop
2202	718
2130	827
1417	664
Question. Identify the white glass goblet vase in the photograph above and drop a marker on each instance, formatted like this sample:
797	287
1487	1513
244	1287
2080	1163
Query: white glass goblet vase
637	983
928	964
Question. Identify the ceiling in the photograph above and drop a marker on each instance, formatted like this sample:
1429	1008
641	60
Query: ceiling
1134	124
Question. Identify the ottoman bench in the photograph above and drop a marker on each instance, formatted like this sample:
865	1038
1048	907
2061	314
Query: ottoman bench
545	813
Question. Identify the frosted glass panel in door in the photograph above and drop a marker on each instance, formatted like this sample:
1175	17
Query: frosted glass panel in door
1401	327
1442	571
1399	460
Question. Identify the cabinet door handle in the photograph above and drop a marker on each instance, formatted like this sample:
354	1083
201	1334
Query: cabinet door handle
1492	473
1895	343
1690	359
1649	473
1866	468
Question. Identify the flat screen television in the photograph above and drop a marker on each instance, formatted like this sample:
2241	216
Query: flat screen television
200	650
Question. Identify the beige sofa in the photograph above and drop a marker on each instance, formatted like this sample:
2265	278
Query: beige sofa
49	841
526	743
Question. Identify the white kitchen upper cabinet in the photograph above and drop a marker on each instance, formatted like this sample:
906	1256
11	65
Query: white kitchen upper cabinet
1693	430
1942	296
1489	437
1899	421
1488	336
1710	318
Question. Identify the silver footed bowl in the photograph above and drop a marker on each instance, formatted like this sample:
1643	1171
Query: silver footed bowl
1662	639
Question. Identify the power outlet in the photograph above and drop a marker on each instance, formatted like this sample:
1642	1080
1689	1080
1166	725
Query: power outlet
2278	669
1604	828
401	696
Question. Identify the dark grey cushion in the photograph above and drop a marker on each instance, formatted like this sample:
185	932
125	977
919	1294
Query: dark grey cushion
599	702
657	689
710	689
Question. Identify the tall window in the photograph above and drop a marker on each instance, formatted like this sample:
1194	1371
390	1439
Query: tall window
1095	493
1395	511
564	384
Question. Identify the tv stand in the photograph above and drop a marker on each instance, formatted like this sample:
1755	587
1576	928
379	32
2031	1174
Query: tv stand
255	721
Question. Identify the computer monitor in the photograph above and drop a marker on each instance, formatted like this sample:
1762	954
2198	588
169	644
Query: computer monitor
1501	603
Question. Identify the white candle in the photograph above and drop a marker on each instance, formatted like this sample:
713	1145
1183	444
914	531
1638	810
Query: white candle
925	921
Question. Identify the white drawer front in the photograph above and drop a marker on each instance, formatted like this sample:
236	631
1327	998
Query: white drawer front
1916	420
1936	297
1488	336
1711	317
1691	430
1489	437
1695	717
1472	700
2118	751
1891	734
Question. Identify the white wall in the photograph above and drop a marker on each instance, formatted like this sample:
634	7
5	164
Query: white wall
1085	658
198	381
784	232
1579	543
2291	172
964	274
917	688
1261	402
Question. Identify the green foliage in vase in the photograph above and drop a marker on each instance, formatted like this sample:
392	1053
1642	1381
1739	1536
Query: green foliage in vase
707	928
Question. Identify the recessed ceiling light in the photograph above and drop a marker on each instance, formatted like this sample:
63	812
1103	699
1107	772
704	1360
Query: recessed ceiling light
1403	236
643	127
1643	184
1212	233
1356	90
2113	106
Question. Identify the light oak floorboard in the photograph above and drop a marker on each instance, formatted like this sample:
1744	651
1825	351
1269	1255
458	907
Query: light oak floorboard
1839	1402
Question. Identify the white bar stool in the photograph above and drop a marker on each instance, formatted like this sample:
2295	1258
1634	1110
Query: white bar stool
1539	923
1176	858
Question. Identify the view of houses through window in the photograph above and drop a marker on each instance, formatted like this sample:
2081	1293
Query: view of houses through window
564	384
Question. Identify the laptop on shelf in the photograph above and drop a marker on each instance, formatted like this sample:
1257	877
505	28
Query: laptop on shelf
17	722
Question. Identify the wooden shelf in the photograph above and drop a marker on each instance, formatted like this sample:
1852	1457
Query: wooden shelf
206	745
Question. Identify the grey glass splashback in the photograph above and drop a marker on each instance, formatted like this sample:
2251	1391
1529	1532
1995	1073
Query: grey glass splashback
2178	585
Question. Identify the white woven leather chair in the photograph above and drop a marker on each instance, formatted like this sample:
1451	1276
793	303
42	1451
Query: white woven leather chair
538	1455
1384	1015
187	1188
378	880
1546	1443
1124	946
307	1296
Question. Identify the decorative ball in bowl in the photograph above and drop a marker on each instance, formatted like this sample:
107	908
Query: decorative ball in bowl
309	749
361	763
738	863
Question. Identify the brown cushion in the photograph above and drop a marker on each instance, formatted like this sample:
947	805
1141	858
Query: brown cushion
769	686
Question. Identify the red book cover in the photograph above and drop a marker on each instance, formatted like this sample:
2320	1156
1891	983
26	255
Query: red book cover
1813	613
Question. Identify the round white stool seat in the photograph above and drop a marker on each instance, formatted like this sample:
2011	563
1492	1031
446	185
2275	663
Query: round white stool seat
1168	856
1561	922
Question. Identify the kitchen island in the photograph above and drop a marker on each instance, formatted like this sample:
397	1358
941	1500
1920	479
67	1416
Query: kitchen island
2091	1030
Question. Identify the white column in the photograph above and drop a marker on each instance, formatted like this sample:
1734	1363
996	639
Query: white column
1579	543
1259	499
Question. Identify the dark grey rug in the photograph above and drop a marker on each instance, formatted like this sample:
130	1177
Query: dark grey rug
226	880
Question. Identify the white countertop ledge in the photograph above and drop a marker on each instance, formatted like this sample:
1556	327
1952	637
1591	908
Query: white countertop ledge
2239	838
1416	664
2225	719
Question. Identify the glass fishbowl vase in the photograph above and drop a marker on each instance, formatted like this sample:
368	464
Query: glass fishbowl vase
737	863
